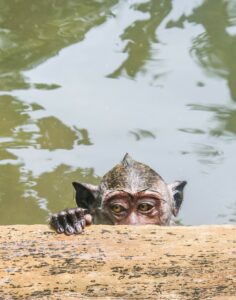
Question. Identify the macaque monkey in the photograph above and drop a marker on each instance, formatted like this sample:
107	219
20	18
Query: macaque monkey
129	194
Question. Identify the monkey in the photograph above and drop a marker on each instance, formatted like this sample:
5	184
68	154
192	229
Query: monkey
131	193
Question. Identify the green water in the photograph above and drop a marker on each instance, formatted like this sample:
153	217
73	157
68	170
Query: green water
84	82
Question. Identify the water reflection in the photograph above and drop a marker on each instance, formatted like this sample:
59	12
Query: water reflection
208	154
12	114
15	206
21	191
140	134
140	37
225	117
55	135
25	199
32	31
5	155
19	129
215	48
223	124
230	214
56	187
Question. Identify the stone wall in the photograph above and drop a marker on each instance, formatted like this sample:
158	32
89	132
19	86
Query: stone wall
118	262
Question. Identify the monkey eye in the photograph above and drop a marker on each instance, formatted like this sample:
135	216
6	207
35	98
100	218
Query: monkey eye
144	207
117	208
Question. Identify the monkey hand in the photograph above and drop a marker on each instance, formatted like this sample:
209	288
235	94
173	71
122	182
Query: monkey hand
70	221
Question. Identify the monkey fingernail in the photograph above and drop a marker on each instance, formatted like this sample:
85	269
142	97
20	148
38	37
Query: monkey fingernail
83	223
78	228
69	230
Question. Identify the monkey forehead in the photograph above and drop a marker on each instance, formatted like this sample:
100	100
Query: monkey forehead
127	193
133	178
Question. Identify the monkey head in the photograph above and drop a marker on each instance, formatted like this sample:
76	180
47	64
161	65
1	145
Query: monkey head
131	193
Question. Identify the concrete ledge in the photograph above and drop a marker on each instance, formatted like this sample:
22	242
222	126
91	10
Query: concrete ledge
118	262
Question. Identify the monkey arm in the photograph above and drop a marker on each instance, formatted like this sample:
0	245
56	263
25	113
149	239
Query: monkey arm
70	221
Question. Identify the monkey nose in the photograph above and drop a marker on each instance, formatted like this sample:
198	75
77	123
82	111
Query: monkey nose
133	219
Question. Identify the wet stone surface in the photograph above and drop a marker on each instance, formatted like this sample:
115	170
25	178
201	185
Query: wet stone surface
118	262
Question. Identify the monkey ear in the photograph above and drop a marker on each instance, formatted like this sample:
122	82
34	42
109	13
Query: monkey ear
177	188
85	195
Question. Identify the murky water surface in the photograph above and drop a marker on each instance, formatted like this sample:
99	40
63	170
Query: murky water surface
84	82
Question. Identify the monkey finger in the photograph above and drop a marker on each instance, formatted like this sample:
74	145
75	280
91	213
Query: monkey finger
78	228
74	221
79	212
88	219
55	224
80	215
68	229
83	223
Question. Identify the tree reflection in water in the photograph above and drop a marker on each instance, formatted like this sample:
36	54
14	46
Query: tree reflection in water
140	134
20	191
215	48
225	117
32	31
230	214
140	37
215	51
